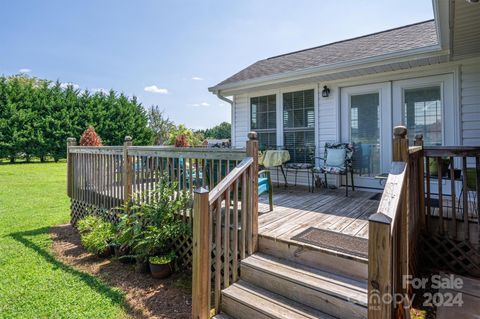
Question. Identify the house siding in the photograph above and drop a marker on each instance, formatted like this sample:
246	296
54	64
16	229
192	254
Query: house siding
328	109
470	103
241	116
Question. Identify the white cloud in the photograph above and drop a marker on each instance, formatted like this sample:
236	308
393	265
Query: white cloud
155	89
64	85
25	71
199	104
101	90
197	78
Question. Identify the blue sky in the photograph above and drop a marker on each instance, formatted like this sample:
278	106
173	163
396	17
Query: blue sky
168	53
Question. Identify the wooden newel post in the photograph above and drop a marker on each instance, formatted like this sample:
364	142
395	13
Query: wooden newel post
400	144
71	141
380	272
421	181
252	151
127	170
201	256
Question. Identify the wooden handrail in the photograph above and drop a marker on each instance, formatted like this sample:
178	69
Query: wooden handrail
228	181
394	230
447	151
188	152
392	193
224	225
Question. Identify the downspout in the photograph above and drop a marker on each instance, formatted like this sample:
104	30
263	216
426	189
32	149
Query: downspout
232	133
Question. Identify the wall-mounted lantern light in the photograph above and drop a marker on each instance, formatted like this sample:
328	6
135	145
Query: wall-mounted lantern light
325	91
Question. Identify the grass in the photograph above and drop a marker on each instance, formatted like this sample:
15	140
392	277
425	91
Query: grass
33	284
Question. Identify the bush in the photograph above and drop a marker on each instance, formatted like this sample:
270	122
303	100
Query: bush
149	229
96	234
162	260
90	138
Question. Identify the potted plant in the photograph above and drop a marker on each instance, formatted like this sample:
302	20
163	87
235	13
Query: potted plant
96	235
162	266
150	228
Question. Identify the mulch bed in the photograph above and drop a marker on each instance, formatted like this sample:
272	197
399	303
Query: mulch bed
145	296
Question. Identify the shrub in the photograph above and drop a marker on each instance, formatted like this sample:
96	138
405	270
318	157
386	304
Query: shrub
162	260
90	138
150	229
96	234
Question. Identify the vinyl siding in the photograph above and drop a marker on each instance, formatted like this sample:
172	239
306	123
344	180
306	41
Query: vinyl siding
470	103
241	116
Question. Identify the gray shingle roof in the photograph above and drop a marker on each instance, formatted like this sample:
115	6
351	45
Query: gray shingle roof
408	37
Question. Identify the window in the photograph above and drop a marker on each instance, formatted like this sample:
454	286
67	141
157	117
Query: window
299	125
263	112
423	114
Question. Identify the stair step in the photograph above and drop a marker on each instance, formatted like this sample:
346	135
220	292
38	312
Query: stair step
314	256
222	316
243	300
337	295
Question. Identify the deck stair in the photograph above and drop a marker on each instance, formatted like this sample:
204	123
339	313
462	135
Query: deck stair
272	287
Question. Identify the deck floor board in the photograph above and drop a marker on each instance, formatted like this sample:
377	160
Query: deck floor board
295	210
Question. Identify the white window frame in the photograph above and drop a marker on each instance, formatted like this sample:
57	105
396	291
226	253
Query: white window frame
450	130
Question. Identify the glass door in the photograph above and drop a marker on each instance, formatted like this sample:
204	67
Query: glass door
366	114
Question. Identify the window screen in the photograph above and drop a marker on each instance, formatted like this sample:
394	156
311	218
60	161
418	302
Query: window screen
299	125
423	114
263	110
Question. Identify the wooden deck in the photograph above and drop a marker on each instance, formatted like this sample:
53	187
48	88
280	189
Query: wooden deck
295	210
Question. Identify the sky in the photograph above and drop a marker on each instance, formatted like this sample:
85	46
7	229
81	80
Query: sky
168	53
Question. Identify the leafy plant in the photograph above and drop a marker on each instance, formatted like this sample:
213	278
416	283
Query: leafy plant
96	234
150	228
164	259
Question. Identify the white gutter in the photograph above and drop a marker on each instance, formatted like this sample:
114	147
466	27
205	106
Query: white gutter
429	51
232	119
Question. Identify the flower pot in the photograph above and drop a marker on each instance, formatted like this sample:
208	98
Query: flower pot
106	253
161	271
141	267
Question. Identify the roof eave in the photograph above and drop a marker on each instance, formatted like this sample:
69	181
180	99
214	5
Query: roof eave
428	51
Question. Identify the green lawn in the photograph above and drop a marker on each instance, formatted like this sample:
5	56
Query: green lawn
33	284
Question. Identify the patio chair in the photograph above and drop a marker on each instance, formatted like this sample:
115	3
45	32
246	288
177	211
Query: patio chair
265	185
337	161
264	180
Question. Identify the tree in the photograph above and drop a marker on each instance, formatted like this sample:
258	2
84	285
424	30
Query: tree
220	131
190	137
37	116
160	125
90	138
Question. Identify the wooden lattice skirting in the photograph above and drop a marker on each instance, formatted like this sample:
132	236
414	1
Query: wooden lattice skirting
80	209
443	253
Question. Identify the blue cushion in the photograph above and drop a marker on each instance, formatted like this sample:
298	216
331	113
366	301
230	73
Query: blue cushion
336	158
262	185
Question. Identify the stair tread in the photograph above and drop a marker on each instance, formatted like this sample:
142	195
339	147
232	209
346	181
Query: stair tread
222	316
270	304
336	285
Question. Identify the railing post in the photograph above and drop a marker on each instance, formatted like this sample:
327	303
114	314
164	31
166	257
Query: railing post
71	141
380	272
400	144
252	151
127	170
201	256
421	181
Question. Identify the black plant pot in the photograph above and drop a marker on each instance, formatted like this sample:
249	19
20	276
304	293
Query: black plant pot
161	271
141	266
106	253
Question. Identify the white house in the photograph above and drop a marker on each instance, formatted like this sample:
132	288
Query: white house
425	76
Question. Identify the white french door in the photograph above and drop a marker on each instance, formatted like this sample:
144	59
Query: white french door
366	121
426	106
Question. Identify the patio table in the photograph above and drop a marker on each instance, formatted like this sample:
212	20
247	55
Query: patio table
275	158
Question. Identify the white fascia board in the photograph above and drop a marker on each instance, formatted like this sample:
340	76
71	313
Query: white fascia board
441	12
429	51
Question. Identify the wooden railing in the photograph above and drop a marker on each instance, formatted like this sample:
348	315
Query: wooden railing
106	176
225	230
394	230
457	205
